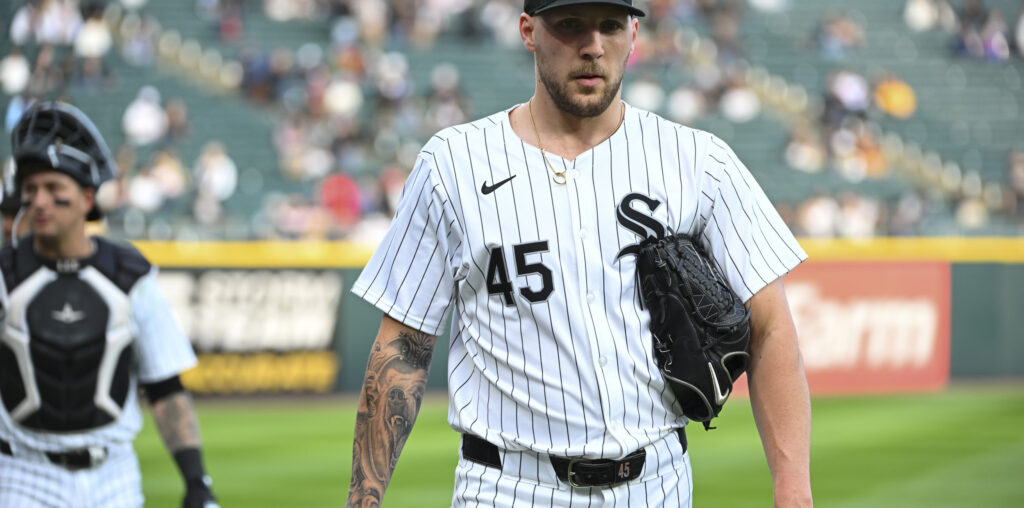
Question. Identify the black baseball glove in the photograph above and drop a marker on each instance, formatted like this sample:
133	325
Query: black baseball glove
701	328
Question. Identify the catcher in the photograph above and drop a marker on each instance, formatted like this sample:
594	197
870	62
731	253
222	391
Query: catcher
85	324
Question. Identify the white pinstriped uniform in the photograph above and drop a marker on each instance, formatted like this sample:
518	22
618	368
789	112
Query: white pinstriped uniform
160	350
550	352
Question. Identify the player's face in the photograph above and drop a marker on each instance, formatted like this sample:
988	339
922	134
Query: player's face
55	205
581	54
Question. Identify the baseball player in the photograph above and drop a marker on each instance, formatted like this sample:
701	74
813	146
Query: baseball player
523	225
84	324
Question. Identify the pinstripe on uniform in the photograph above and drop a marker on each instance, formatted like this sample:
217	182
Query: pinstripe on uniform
37	483
160	350
550	353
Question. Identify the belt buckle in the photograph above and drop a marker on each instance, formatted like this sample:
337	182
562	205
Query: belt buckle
73	460
570	474
97	454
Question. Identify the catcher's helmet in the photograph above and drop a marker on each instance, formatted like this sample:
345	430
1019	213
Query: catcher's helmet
58	136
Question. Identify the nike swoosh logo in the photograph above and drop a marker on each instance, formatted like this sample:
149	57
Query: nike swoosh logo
487	189
719	396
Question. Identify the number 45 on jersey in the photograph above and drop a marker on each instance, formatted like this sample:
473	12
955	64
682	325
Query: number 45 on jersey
499	282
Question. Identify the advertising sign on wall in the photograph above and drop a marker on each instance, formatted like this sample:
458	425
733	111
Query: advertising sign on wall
258	330
872	327
872	315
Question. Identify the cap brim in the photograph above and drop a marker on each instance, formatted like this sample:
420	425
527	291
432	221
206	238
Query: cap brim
629	8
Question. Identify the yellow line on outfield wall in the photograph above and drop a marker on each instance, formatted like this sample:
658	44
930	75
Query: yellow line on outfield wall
257	254
953	249
353	255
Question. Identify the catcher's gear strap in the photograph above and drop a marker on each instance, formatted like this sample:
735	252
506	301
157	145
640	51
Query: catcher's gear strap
121	263
18	263
160	389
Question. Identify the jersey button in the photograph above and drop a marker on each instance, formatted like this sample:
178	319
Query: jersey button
591	297
583	233
602	361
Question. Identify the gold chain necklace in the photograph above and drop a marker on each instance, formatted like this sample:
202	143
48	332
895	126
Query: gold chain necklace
559	176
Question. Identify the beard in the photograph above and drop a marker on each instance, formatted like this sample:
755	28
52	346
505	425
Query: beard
558	90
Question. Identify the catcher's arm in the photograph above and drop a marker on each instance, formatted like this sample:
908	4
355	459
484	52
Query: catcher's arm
779	396
396	377
176	421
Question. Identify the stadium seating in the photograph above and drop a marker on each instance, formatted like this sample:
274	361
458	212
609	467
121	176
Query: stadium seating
258	31
968	111
968	114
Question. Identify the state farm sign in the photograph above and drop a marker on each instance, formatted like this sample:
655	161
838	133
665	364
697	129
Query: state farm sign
872	326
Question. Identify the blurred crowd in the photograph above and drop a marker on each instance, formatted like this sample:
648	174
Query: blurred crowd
976	31
350	117
70	42
853	215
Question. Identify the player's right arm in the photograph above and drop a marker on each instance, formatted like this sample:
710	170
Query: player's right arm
396	377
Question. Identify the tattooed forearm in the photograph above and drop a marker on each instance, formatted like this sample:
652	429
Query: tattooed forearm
176	422
396	378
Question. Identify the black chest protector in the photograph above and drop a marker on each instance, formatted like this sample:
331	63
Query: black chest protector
65	355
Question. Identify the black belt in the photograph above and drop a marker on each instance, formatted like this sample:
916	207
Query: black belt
576	472
72	460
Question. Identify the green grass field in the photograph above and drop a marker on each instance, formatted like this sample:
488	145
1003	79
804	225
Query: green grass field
961	448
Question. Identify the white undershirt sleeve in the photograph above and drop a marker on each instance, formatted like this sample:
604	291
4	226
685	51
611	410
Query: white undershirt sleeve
162	349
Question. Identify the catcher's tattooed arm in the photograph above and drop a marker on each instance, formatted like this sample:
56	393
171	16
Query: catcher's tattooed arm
396	377
176	421
779	396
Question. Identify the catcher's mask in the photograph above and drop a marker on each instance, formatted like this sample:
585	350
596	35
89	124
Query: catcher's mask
57	136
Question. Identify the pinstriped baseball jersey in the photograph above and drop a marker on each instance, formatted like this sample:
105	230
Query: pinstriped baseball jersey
550	350
140	321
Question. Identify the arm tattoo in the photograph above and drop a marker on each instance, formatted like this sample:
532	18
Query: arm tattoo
176	422
396	378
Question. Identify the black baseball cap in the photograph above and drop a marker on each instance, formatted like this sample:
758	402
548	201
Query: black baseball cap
534	7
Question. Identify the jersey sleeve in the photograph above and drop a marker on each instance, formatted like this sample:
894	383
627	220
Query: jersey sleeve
743	231
411	275
162	349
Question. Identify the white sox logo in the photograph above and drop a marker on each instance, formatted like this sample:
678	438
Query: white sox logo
643	225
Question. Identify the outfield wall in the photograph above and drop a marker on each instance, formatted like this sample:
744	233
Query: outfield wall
987	293
880	315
